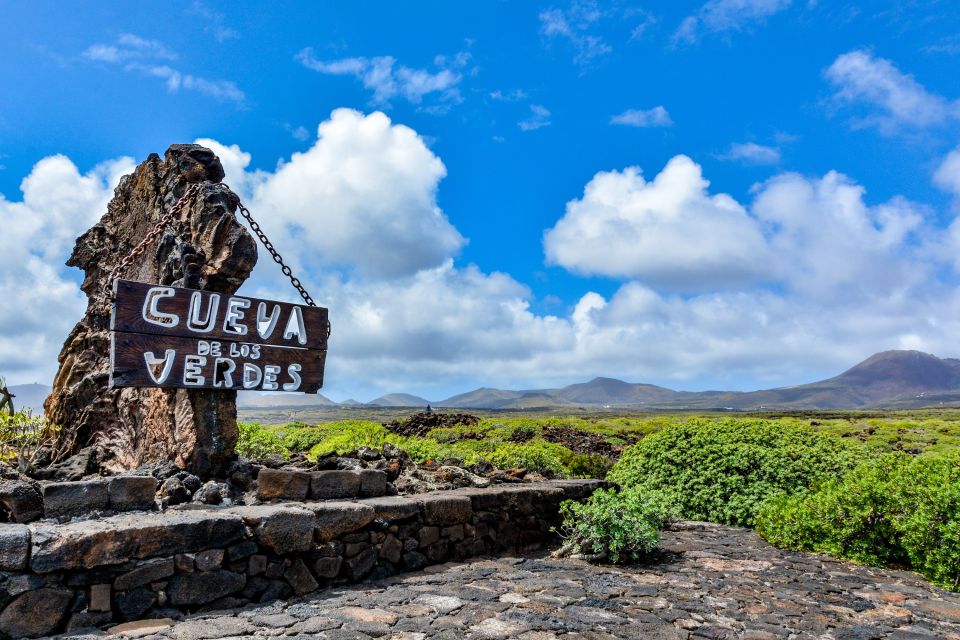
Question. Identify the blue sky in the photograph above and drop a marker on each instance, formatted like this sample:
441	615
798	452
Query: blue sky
475	218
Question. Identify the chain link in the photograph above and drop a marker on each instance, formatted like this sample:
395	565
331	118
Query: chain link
171	215
175	214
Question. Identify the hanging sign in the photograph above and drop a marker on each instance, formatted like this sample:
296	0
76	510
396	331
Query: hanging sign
173	337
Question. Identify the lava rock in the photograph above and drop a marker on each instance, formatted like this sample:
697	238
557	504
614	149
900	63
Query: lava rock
282	484
14	547
75	498
203	587
20	501
129	493
35	613
172	492
210	493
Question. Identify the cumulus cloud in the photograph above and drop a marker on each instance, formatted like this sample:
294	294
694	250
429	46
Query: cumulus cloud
947	176
539	118
722	16
668	232
362	197
752	153
655	117
42	299
889	98
388	80
149	58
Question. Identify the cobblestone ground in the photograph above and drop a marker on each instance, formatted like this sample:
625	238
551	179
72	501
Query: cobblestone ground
707	582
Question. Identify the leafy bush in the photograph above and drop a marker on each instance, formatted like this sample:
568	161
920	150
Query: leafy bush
723	470
615	526
258	442
892	510
23	436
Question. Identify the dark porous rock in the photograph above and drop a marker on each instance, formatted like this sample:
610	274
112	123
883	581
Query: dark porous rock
300	578
243	550
445	509
209	559
134	603
360	565
282	484
333	519
88	620
373	483
283	528
391	549
35	613
325	485
438	552
210	493
415	560
128	493
117	539
241	474
14	547
20	501
327	567
75	498
204	587
428	535
369	454
81	464
256	565
145	573
276	590
191	482
207	248
163	470
183	563
172	492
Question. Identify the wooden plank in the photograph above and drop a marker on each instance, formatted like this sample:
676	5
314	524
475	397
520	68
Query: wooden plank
138	360
175	311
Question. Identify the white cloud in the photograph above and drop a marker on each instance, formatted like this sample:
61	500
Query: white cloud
514	95
539	117
362	197
142	55
667	232
573	25
889	97
655	117
947	176
42	300
721	16
752	153
388	80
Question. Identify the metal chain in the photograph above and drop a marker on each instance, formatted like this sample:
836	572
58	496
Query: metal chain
171	215
174	214
255	227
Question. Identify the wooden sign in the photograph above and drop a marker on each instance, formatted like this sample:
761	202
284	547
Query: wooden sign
173	337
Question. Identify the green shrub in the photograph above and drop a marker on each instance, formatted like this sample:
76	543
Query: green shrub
23	436
537	455
896	509
257	442
616	526
723	470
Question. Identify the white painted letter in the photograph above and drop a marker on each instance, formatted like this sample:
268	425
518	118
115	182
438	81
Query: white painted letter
293	370
251	376
295	326
194	323
153	365
223	378
153	315
270	373
265	325
234	314
192	373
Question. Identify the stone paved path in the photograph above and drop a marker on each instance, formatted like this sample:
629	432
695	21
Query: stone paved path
707	582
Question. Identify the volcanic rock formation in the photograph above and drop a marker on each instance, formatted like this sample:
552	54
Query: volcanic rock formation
208	249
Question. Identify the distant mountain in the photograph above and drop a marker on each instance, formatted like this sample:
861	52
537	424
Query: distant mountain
29	396
894	379
399	400
351	403
254	400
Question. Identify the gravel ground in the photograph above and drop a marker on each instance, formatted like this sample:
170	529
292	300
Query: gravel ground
707	581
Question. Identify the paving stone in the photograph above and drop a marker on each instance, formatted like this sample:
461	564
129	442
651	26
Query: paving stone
73	498
140	628
282	484
132	492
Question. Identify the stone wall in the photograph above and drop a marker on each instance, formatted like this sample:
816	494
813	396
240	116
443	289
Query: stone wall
87	573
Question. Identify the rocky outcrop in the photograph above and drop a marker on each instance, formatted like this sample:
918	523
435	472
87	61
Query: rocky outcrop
209	249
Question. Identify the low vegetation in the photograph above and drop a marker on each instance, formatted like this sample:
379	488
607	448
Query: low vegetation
24	437
876	489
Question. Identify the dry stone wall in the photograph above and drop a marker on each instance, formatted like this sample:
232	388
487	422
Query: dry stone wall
88	573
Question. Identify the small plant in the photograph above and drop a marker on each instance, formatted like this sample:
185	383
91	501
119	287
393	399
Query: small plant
613	526
24	437
256	441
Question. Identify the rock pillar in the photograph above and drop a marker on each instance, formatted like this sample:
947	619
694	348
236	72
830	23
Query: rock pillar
209	249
